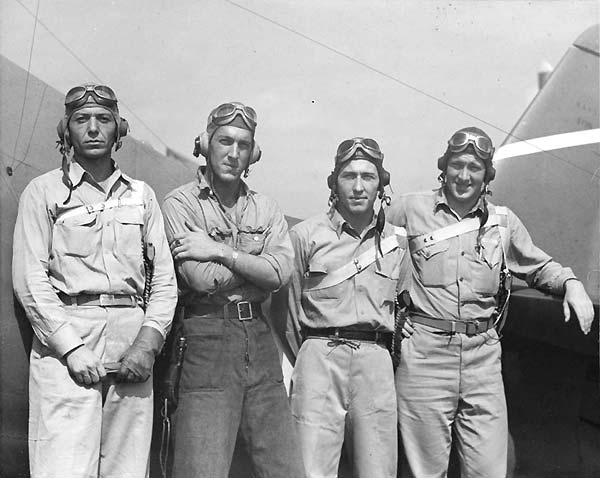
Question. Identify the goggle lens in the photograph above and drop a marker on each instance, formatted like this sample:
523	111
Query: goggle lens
348	147
79	93
461	140
225	113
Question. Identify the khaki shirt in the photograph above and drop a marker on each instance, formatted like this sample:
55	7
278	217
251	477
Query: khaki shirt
451	280
97	253
259	228
365	301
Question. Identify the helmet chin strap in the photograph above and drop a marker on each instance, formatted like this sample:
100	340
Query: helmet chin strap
380	223
484	216
62	147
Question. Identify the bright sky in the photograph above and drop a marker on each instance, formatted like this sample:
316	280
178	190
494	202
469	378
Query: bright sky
407	73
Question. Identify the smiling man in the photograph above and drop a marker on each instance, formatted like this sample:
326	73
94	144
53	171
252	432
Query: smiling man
78	269
463	248
232	249
341	301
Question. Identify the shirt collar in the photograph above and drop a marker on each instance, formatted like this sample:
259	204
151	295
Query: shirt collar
77	173
206	187
338	223
441	202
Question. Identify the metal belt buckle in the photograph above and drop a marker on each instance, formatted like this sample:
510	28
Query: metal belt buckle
244	310
472	328
106	300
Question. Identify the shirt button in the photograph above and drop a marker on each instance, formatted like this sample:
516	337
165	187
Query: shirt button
461	279
462	253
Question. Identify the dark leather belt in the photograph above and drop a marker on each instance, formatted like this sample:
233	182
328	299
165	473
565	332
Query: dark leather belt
468	327
100	300
242	310
349	334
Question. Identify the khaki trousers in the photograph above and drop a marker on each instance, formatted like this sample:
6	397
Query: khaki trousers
452	383
340	392
78	431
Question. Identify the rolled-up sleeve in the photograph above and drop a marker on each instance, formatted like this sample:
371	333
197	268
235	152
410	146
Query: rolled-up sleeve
530	263
31	252
278	250
163	295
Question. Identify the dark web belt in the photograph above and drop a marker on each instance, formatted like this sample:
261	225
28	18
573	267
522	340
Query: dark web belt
468	327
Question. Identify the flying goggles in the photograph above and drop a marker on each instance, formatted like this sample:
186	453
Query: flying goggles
78	96
461	140
226	113
349	147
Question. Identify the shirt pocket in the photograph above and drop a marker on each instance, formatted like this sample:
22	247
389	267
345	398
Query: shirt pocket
432	265
486	266
76	236
251	241
387	273
128	230
316	274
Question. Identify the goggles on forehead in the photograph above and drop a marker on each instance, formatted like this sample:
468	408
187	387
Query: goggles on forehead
461	140
226	113
349	147
103	95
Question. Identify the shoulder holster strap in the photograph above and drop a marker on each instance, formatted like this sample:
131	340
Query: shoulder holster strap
361	262
462	227
134	199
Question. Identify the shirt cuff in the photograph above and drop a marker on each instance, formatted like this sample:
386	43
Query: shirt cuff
64	339
156	326
558	284
275	265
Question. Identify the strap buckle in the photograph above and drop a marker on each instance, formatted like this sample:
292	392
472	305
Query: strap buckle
472	328
244	310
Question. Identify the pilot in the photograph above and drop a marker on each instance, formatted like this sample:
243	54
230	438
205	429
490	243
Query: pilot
463	249
231	248
348	268
78	271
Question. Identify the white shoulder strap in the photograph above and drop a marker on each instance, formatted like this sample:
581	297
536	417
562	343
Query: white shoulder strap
361	262
504	231
453	230
136	198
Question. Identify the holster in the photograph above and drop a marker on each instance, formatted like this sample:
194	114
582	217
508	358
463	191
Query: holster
170	362
401	306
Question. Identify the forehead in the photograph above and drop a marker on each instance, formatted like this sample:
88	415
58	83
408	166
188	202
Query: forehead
466	159
359	166
233	132
92	111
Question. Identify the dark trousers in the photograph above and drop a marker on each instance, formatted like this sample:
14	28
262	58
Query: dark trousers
232	381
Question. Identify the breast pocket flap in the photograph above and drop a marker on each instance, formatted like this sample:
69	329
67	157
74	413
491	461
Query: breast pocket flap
129	216
434	249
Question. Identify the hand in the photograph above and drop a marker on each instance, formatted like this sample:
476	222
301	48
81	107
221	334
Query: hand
138	360
577	298
136	365
195	245
85	366
407	328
